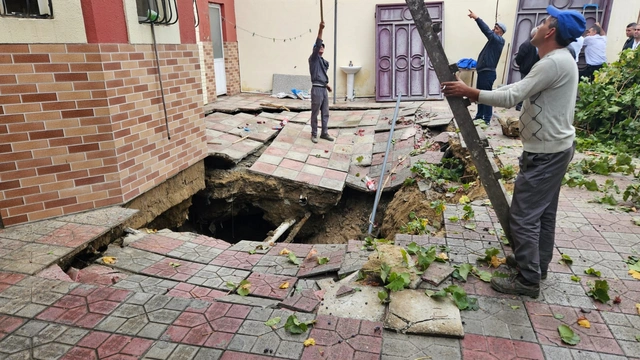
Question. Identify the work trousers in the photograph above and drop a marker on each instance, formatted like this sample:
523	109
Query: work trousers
319	103
533	210
485	82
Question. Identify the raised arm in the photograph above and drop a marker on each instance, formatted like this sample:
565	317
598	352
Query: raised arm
316	47
488	32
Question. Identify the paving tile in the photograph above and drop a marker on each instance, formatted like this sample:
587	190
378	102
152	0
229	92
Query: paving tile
8	324
278	265
469	251
559	289
487	347
349	339
396	346
309	178
412	312
32	295
131	259
597	338
236	260
285	173
189	291
216	277
250	246
32	258
31	232
625	328
304	301
106	345
352	262
301	250
554	352
146	284
270	286
498	318
7	279
611	265
262	167
311	267
173	269
7	246
627	290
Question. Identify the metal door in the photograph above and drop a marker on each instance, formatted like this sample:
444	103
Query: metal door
218	50
532	12
402	64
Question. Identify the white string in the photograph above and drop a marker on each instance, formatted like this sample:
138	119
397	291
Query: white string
274	39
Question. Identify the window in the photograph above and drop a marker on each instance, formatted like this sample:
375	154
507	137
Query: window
39	9
160	12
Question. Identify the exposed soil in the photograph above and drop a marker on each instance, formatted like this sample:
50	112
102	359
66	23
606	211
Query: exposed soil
408	199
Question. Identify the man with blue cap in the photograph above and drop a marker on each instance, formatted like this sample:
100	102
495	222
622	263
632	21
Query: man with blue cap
488	61
546	129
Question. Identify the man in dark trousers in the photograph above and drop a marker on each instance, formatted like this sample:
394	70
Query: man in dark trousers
629	31
525	58
318	68
549	92
487	61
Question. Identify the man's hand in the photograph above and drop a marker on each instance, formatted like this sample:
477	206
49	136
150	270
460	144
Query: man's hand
321	25
459	89
472	15
328	88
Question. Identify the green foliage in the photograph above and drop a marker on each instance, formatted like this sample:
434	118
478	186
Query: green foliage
244	288
592	271
450	169
604	165
295	326
633	262
413	248
459	296
575	278
383	296
567	335
468	212
371	243
273	321
439	206
489	253
416	225
360	158
632	192
608	108
397	281
600	291
566	259
293	258
409	181
461	272
426	257
508	172
323	260
384	272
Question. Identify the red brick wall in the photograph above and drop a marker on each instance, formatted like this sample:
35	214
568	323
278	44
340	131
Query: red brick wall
82	126
209	71
232	67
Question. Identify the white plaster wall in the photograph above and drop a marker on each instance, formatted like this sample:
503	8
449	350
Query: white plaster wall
141	33
67	26
261	58
623	12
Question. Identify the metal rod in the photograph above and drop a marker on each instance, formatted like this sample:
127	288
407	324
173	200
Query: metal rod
164	104
384	165
321	12
335	47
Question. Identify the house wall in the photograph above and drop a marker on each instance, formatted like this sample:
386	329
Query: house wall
261	58
82	126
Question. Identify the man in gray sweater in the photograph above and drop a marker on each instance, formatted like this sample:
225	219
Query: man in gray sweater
546	129
318	67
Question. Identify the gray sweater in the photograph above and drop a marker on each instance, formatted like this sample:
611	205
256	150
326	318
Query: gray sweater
549	92
318	66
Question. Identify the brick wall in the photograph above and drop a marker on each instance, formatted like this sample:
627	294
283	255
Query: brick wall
209	71
232	67
82	126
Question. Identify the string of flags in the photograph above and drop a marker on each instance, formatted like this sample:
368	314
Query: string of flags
274	39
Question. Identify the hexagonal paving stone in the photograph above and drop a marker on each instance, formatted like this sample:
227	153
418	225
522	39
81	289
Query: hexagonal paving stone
469	251
30	232
625	328
301	250
499	318
31	258
189	291
85	306
487	347
554	352
597	338
107	217
559	289
31	295
102	345
236	260
627	290
246	246
8	324
199	249
7	279
396	346
342	338
173	269
217	277
146	284
311	267
130	259
305	301
72	235
270	286
574	239
611	265
277	264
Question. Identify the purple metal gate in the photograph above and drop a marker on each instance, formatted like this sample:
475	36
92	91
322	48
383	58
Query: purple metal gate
532	12
402	64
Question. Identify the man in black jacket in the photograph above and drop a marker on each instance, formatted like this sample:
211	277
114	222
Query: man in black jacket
629	43
525	58
487	61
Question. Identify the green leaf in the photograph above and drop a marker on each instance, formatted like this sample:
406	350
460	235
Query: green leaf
439	293
244	288
295	326
384	272
405	258
273	321
592	271
591	185
413	248
252	251
489	253
515	307
397	281
499	274
635	266
293	258
600	291
473	304
454	218
482	275
425	258
382	295
558	316
566	259
492	232
567	335
636	220
471	226
463	270
575	278
323	260
638	338
230	285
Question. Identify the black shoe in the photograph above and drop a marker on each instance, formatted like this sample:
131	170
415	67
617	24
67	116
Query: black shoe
515	285
512	263
326	137
314	139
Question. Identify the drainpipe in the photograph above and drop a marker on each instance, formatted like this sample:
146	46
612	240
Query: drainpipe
335	47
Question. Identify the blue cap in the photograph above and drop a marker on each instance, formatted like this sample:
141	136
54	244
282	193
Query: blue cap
502	26
571	24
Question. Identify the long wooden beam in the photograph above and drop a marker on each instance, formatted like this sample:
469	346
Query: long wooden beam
500	201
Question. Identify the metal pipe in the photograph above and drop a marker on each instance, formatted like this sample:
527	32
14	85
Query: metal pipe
164	104
384	165
335	47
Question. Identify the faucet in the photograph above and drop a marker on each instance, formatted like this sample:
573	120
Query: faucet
350	63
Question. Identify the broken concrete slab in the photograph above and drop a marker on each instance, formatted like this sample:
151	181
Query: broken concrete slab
284	83
344	290
96	275
427	316
54	272
362	305
439	122
437	273
353	262
249	300
305	301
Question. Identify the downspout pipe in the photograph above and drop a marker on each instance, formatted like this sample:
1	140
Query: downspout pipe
335	47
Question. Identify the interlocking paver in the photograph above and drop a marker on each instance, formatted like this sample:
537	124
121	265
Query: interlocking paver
270	286
499	318
304	300
31	295
179	270
277	264
236	260
102	345
487	347
352	262
627	290
30	232
625	328
610	264
554	352
311	266
189	291
131	259
597	338
8	324
107	217
246	246
32	258
217	277
72	235
146	284
559	289
396	346
301	250
343	338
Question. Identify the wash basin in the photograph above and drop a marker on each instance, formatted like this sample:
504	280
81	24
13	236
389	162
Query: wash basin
350	69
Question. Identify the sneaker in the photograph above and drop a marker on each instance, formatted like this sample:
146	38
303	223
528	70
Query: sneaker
512	263
314	139
515	285
326	137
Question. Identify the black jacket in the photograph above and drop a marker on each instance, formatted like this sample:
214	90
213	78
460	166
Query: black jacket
628	44
490	54
527	56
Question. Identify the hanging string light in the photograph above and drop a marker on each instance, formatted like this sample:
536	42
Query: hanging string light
254	34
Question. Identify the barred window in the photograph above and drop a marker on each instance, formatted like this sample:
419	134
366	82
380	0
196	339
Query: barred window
38	9
159	12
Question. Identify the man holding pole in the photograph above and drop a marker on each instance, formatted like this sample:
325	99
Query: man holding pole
546	129
318	68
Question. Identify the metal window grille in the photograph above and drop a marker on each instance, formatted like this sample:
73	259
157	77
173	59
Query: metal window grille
158	12
37	9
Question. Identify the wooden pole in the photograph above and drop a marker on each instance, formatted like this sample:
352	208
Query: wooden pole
506	63
321	12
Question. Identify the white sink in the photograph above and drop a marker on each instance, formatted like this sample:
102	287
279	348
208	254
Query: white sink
350	69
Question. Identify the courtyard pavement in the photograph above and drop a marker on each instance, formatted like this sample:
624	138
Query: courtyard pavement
167	295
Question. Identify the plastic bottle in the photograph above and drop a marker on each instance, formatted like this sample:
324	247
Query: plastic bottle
370	183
